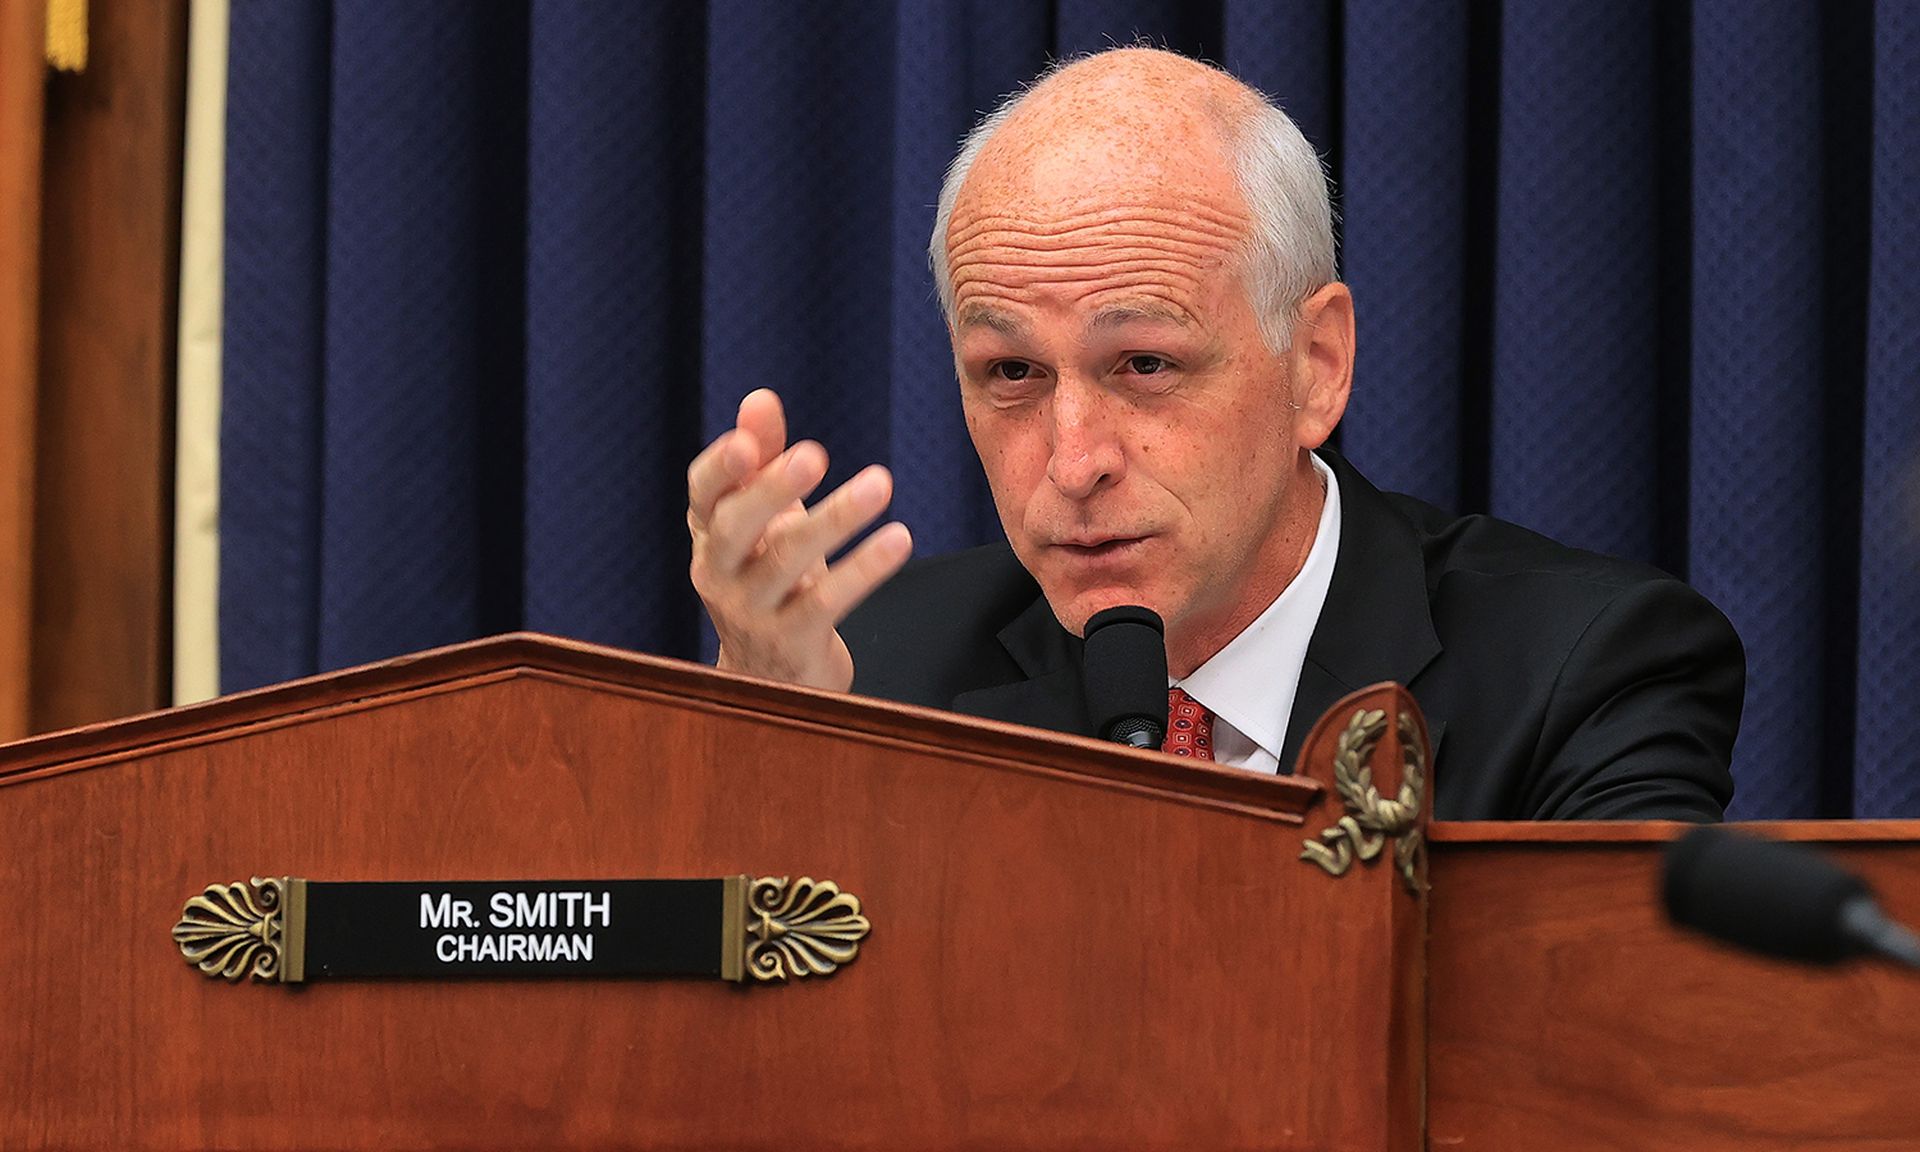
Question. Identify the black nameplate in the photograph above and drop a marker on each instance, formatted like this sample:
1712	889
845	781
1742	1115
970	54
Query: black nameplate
514	928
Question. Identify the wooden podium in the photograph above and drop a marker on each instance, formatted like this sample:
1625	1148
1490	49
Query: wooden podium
1066	945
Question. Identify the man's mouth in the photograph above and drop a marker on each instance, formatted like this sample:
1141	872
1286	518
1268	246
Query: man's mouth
1101	547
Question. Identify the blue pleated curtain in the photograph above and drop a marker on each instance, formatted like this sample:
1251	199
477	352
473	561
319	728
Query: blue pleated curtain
1641	275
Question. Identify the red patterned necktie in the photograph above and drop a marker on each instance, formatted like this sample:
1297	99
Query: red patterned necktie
1189	727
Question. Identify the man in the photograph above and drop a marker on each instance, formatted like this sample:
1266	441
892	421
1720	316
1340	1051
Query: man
1135	258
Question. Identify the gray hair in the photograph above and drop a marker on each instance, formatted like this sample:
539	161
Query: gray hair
1289	249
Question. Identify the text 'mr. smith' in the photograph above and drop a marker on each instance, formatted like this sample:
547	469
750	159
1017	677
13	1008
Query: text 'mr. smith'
510	913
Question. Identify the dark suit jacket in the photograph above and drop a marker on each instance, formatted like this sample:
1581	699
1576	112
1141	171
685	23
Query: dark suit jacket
1557	684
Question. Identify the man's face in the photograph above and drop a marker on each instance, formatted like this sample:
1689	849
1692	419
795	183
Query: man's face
1140	438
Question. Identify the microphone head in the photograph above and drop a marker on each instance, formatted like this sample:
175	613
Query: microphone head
1125	675
1765	896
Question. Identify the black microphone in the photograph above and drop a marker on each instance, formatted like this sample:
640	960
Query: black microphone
1779	900
1125	674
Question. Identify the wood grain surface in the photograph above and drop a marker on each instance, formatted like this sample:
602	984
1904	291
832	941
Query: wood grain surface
109	278
1565	1013
22	111
1074	945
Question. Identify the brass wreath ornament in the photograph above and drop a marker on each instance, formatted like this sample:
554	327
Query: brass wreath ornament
1371	818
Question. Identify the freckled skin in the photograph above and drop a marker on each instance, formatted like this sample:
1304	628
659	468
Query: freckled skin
1142	442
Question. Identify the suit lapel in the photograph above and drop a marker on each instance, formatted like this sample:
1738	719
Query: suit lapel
1051	696
1376	624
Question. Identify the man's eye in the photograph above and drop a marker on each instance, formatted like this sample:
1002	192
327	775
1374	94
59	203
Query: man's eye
1010	370
1146	364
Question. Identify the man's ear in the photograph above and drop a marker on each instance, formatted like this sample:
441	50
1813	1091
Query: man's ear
1322	357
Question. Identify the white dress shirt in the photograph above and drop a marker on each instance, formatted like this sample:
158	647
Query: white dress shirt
1249	685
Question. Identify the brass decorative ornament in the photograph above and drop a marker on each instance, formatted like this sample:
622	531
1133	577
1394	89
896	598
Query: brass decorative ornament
238	930
804	928
1371	818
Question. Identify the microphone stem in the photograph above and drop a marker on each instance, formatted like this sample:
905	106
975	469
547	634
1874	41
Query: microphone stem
1862	921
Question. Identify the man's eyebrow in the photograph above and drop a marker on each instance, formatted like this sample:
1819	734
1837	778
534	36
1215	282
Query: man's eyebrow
1118	315
998	319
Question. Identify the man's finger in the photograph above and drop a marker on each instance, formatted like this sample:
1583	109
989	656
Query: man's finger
718	470
797	544
740	519
762	415
860	571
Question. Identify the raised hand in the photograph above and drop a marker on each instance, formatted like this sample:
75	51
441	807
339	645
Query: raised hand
760	554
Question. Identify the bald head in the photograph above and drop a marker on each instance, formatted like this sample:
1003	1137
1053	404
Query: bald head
1153	131
1146	112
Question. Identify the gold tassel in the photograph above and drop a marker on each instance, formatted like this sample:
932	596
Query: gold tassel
67	34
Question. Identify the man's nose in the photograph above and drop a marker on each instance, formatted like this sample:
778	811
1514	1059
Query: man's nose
1087	454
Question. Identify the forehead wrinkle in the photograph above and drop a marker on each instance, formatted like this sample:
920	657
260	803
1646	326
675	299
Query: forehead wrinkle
1198	217
1015	248
1071	268
1155	273
1112	251
1017	271
1112	247
1040	291
1140	297
1200	234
